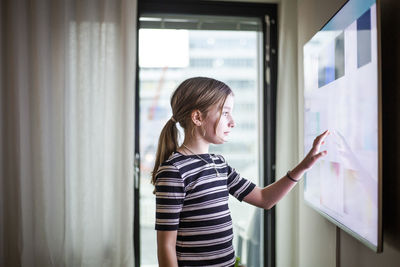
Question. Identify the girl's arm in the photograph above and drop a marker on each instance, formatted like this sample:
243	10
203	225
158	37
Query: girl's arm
166	250
268	196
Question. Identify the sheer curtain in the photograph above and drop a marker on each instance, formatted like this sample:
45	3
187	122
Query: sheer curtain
66	132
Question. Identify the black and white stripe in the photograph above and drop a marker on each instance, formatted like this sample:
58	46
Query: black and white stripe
191	199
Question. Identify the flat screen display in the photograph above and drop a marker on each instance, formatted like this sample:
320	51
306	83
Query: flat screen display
342	94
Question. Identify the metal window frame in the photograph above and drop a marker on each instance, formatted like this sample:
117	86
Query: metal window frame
267	13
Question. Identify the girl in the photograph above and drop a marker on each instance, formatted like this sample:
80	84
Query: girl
193	222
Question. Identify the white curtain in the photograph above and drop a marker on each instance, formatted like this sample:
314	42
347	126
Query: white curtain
66	132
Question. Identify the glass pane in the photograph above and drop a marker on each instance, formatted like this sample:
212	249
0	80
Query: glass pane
166	58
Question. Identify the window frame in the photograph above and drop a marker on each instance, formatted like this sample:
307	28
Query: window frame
269	92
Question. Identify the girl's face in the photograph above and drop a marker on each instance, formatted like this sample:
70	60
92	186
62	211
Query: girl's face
219	134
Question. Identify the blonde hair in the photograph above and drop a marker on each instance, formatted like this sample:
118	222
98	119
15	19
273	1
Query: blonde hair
198	93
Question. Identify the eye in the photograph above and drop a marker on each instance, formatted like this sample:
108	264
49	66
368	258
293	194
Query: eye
225	113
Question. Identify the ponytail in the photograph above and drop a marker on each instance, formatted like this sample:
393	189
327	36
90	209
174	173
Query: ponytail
167	143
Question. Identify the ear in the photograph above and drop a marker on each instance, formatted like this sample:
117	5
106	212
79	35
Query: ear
197	117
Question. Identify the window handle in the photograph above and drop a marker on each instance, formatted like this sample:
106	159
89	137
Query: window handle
136	170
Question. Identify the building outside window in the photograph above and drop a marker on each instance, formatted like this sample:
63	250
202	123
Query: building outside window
166	58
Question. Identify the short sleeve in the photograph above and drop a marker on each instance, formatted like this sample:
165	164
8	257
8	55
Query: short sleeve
170	194
238	186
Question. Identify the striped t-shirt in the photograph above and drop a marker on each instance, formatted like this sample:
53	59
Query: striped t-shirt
193	200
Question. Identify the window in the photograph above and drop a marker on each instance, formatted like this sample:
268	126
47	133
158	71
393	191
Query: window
175	47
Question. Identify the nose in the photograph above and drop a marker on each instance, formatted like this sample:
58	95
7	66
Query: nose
231	123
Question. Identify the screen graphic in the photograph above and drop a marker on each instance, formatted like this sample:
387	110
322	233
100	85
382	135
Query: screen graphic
341	95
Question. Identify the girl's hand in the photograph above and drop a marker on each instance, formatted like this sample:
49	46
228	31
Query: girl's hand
314	155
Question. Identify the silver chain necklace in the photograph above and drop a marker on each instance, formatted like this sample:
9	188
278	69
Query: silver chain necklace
208	163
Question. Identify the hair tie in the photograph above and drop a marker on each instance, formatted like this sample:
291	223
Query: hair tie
173	119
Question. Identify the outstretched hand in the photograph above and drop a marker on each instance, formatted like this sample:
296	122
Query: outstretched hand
314	154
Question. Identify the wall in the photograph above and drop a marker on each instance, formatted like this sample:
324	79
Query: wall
286	127
317	237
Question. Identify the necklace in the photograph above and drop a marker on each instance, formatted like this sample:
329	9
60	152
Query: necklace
208	163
